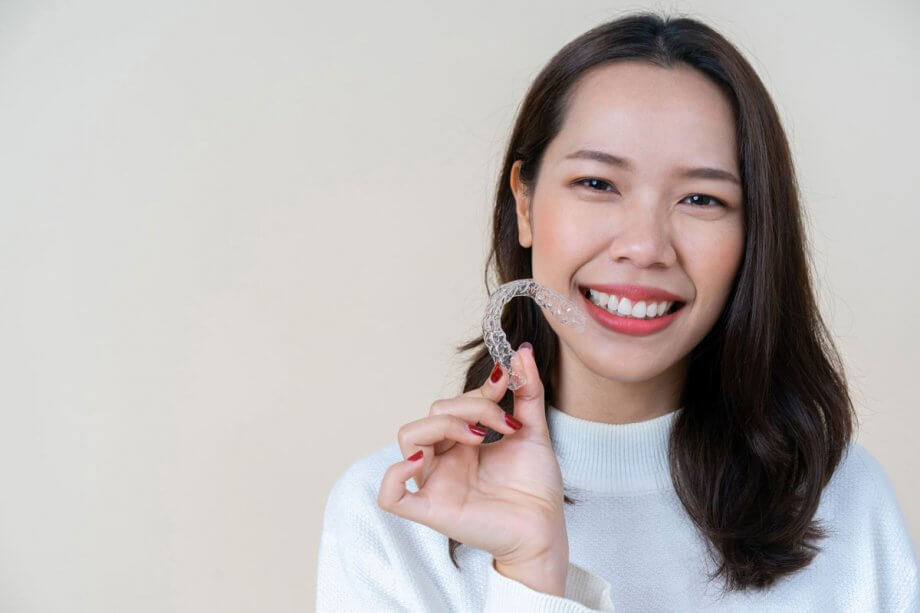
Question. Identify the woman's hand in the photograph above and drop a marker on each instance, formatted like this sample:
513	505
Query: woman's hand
506	497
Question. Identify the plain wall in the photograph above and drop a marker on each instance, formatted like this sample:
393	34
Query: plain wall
239	241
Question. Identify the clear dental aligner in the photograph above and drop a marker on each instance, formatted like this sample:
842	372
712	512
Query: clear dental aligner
554	303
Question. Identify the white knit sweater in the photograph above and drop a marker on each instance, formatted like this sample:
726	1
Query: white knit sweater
632	546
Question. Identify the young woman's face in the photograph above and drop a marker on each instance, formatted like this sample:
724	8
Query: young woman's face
638	218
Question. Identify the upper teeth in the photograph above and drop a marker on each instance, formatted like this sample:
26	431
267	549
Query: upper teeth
625	307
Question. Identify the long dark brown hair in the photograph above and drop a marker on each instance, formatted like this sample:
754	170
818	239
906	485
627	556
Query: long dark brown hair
767	415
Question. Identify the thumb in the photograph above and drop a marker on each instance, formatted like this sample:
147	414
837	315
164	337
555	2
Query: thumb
529	400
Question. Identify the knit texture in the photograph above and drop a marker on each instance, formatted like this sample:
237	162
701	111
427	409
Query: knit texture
632	547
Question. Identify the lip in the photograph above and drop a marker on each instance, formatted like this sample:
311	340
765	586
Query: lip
629	325
634	292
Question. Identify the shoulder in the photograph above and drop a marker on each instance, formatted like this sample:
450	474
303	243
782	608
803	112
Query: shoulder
859	506
357	535
860	480
369	558
357	486
352	514
357	529
868	531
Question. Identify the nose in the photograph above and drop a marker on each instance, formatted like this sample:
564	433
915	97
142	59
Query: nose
644	238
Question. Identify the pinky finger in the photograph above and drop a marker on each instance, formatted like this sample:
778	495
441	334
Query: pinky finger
395	498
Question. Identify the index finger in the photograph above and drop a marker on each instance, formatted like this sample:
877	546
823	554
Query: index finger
494	386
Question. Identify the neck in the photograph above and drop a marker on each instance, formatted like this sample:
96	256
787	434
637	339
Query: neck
585	394
611	458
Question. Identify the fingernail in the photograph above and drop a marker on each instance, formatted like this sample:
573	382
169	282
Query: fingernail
526	345
513	422
477	430
496	374
415	456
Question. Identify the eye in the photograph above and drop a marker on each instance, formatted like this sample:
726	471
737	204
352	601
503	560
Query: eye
697	198
595	185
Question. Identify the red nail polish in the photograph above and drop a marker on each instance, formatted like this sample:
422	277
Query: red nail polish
496	374
513	422
477	430
415	456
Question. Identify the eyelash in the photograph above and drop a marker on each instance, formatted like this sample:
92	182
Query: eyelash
588	179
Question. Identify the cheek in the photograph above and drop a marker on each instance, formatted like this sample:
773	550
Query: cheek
713	260
557	231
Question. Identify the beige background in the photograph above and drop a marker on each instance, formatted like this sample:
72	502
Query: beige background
238	241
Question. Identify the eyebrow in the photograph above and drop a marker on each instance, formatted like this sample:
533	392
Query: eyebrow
690	173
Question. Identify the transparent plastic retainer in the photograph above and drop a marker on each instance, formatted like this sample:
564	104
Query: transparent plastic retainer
564	311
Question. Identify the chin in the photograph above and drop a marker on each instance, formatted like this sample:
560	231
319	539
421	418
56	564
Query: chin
632	370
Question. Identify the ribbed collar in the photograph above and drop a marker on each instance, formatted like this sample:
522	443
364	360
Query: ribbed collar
612	458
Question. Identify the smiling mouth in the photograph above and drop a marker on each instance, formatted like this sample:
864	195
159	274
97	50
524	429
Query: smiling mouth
675	305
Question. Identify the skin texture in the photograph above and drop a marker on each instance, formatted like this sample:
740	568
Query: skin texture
646	225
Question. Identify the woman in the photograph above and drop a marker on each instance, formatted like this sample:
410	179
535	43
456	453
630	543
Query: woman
692	448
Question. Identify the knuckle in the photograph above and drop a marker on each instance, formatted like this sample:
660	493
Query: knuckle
490	410
437	407
446	423
445	420
401	434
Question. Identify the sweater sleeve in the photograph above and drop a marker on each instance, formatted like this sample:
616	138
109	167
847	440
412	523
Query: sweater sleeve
584	592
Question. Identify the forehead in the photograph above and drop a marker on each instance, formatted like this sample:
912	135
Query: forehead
657	116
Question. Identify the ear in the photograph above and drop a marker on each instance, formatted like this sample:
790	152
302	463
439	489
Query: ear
521	206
